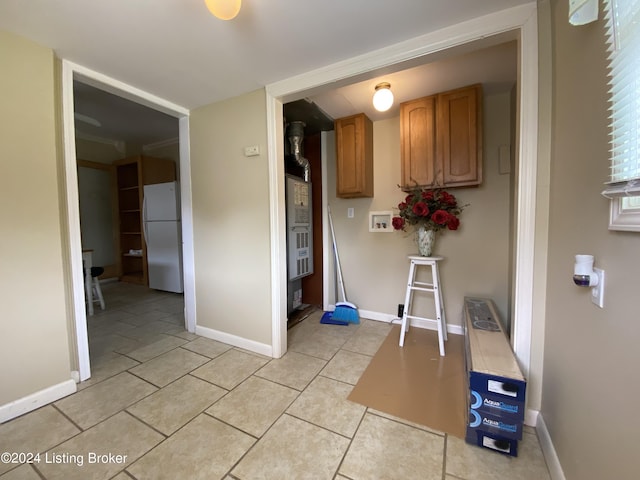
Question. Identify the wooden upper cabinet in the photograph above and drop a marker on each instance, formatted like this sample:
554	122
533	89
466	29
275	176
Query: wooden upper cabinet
460	136
354	156
441	139
417	144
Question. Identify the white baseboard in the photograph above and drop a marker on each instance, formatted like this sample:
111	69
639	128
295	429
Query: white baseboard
531	417
549	451
36	400
240	342
264	349
426	324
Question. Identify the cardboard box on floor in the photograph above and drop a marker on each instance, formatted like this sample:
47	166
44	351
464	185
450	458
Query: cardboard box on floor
496	384
415	383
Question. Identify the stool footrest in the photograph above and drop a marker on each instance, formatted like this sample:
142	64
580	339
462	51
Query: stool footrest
421	289
421	318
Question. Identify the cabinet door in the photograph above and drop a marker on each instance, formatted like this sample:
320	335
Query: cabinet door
417	145
354	156
460	136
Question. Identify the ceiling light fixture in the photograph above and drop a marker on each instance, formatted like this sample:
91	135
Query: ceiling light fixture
224	9
383	98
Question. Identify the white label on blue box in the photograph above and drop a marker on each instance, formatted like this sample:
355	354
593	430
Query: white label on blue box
499	387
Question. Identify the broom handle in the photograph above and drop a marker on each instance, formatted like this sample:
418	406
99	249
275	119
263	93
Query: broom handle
335	250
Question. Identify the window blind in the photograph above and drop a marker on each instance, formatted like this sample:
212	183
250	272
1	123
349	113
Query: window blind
623	38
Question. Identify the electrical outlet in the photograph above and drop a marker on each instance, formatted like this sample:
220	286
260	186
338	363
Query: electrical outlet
350	212
597	292
400	310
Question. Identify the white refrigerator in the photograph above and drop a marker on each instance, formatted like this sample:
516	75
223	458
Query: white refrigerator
163	236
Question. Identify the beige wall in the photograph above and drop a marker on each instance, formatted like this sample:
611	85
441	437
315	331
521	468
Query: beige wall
98	208
375	265
94	151
231	217
170	151
590	388
33	314
106	152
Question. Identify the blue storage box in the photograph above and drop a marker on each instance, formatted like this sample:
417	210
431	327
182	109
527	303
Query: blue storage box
497	388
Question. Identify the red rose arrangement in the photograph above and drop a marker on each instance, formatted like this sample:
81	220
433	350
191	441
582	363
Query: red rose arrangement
434	209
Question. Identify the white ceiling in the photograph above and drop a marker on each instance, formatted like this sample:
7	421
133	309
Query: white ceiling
495	67
176	50
120	120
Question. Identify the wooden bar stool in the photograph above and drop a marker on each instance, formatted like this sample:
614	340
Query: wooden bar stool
95	272
433	287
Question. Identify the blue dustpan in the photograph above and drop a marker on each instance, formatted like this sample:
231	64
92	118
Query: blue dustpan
327	318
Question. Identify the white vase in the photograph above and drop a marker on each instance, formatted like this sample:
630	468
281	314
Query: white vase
425	238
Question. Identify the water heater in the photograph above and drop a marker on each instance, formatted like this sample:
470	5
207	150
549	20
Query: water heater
299	228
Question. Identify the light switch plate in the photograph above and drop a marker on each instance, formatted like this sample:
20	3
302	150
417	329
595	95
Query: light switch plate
597	292
252	151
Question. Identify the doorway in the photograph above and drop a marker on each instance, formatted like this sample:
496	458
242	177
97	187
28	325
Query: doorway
75	73
304	119
116	141
517	23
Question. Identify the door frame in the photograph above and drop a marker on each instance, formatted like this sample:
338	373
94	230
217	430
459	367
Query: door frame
521	23
70	72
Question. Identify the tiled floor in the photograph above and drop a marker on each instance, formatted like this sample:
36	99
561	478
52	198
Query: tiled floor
163	403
